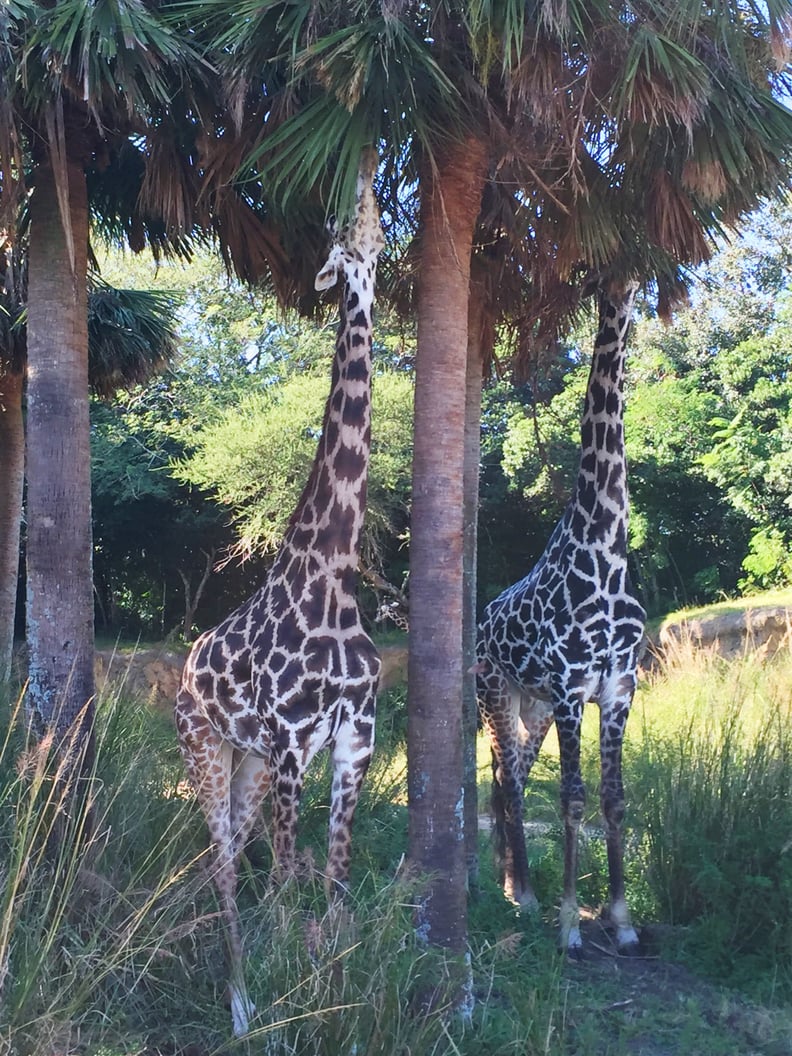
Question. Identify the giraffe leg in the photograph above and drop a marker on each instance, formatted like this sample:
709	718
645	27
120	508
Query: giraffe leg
573	802
613	719
500	706
352	750
288	773
250	782
208	760
536	718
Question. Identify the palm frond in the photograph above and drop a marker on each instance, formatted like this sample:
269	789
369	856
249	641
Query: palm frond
380	84
120	217
90	50
14	15
131	336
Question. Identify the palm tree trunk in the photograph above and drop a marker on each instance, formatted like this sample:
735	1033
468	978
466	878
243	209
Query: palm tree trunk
12	473
470	547
60	626
451	196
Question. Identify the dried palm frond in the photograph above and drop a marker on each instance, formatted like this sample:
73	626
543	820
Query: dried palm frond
705	178
671	221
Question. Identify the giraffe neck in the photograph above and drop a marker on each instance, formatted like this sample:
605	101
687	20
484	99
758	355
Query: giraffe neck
329	516
600	497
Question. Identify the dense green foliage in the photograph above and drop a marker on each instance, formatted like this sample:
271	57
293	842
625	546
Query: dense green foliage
211	459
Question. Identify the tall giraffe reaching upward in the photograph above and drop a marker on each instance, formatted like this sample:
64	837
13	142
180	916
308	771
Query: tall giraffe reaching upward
568	633
292	671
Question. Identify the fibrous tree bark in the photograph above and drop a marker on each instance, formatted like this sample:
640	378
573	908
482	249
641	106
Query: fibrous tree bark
476	325
60	628
450	201
12	471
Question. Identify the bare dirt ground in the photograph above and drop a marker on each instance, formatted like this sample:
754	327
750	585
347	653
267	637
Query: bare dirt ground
650	1006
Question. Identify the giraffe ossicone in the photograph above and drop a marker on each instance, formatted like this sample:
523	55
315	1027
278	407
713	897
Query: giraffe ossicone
568	633
292	671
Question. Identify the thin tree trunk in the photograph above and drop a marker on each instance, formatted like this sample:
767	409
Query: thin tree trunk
60	625
191	601
451	197
12	473
470	543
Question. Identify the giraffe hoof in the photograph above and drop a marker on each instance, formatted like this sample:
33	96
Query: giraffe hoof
573	944
242	1011
629	947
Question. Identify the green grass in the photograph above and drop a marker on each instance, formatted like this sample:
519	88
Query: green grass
115	947
780	597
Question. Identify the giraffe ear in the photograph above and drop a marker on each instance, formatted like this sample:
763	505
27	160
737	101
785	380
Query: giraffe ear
327	277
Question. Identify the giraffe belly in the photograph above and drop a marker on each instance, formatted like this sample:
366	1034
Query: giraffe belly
232	715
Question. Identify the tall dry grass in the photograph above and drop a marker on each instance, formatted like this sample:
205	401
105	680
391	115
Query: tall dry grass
709	768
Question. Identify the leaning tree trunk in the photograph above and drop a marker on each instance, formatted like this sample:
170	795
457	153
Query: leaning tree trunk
12	472
450	200
60	630
476	322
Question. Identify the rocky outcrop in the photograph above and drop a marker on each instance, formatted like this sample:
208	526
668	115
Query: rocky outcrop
151	675
730	632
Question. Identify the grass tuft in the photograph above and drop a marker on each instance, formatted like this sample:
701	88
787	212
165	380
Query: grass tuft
715	789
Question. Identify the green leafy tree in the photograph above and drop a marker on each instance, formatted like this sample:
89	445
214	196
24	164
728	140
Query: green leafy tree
156	543
751	454
731	347
256	455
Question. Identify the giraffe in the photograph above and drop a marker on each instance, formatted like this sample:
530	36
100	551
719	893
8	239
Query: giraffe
292	671
570	632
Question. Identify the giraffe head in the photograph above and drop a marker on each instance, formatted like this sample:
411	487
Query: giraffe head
359	241
617	288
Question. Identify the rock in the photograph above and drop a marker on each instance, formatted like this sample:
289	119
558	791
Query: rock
394	666
731	632
152	674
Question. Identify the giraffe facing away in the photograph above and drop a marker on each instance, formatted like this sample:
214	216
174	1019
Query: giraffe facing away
292	671
570	632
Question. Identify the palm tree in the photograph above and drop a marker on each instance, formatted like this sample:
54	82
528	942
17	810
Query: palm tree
130	338
99	101
63	112
385	85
